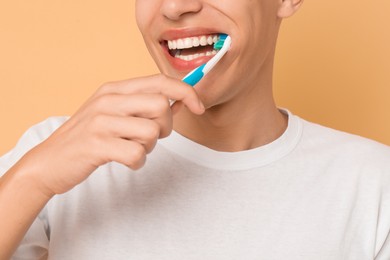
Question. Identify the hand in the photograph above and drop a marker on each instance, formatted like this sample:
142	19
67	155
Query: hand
121	122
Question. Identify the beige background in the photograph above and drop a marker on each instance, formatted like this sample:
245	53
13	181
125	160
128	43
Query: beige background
332	67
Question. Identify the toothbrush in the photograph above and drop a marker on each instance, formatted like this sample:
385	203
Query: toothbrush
223	45
192	78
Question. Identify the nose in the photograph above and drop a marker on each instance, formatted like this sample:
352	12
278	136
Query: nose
176	9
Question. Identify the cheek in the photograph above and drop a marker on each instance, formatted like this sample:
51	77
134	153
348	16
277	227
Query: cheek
144	11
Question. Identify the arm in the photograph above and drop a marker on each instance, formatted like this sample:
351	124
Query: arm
21	200
121	122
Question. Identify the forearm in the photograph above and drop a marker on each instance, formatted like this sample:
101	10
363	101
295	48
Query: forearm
21	200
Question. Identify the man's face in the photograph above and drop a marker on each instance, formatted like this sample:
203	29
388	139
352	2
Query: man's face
252	24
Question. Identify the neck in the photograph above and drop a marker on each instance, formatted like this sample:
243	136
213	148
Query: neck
246	118
249	121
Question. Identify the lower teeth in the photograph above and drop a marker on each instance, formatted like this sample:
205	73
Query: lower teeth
195	56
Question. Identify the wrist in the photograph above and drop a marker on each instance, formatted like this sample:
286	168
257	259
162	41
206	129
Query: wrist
28	177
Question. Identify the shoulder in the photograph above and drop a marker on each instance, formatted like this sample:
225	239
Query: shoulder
31	138
321	135
40	131
342	146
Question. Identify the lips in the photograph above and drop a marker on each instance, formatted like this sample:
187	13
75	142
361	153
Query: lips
188	49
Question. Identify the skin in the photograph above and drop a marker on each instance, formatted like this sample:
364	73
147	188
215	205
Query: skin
123	120
237	106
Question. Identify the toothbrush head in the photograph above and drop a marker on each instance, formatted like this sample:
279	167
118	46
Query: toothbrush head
221	40
222	45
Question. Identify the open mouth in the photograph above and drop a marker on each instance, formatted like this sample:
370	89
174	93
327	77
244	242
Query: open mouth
192	48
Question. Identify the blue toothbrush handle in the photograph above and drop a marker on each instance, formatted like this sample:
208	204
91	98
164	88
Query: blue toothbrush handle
195	76
192	78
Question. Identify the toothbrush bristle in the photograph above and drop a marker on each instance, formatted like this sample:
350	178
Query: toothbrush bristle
219	44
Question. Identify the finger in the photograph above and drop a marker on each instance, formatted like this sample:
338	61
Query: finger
160	84
141	130
142	105
148	106
127	152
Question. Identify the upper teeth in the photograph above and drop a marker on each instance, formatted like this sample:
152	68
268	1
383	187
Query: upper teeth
190	42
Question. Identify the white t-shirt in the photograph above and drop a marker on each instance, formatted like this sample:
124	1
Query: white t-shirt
314	193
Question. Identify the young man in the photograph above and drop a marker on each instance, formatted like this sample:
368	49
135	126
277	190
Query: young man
238	178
